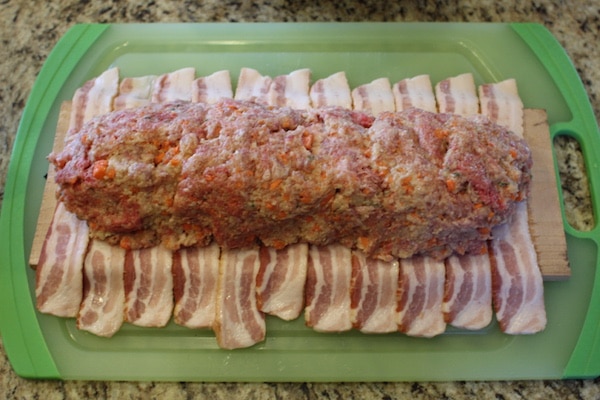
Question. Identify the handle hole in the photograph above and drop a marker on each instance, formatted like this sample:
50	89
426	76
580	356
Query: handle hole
573	173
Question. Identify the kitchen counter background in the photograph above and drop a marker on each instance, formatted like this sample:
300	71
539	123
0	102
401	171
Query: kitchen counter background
30	29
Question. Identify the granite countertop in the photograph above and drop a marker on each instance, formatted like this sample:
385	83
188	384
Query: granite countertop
31	29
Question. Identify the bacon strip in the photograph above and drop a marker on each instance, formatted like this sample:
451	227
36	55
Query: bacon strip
176	85
102	308
417	92
457	95
468	291
501	103
374	284
280	281
518	290
331	91
95	97
282	274
414	92
59	276
148	272
196	270
59	273
134	92
148	286
518	287
209	89
238	322
374	97
252	86
195	274
290	90
328	288
420	294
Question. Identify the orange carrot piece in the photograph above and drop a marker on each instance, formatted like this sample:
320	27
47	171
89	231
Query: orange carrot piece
275	184
99	169
451	185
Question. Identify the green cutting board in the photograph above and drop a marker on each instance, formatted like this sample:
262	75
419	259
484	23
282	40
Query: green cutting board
42	346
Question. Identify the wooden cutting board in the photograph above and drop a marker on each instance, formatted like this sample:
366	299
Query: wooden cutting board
546	223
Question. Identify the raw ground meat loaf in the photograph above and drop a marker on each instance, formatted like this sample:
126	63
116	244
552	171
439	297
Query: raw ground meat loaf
241	173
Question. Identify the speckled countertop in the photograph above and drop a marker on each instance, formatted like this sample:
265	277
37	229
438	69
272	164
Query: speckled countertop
30	29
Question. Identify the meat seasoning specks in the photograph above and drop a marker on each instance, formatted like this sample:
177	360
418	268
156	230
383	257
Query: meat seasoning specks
240	173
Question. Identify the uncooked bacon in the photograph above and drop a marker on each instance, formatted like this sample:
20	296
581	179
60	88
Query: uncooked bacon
457	95
176	85
290	90
148	272
420	295
282	273
94	98
148	286
59	279
134	92
468	291
373	290
331	91
195	274
59	274
328	288
280	281
518	289
238	322
375	97
329	277
209	89
429	321
414	92
252	86
103	304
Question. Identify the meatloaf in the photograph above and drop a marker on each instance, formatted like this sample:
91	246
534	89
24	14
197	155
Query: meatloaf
241	173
